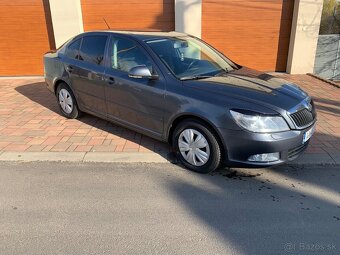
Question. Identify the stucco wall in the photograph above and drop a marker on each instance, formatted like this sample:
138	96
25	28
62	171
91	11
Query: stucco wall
66	18
188	17
304	36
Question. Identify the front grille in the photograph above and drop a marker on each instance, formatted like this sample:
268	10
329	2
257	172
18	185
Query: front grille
295	152
304	117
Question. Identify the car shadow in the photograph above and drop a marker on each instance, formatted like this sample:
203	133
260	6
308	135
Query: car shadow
38	93
265	211
327	105
256	211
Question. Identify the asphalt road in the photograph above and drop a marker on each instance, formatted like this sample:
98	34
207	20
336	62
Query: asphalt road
65	208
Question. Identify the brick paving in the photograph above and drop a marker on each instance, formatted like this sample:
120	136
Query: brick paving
326	139
30	121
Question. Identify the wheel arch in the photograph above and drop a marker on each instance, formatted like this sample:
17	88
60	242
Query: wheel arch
57	82
199	119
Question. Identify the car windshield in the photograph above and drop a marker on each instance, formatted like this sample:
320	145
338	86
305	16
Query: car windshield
189	58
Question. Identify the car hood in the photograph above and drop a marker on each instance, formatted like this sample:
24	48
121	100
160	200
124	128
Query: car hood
253	86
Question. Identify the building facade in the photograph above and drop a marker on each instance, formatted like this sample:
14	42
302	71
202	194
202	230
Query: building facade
269	35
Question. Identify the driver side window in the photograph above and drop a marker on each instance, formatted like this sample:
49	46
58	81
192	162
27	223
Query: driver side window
126	55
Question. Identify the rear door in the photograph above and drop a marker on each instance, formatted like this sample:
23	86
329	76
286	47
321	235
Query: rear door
139	103
71	60
88	82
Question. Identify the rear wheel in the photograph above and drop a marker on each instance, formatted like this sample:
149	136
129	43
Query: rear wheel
197	147
67	102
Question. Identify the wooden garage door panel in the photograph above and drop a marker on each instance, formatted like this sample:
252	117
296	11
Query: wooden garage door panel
23	37
243	31
20	3
254	33
248	9
129	14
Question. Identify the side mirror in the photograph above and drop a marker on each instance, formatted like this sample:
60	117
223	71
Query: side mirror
140	72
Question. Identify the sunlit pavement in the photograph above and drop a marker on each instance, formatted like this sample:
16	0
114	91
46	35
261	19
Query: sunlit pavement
30	122
83	208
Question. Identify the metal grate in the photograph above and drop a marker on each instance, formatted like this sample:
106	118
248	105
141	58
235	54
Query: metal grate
295	152
304	117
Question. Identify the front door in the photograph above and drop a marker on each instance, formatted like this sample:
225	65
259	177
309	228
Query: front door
135	102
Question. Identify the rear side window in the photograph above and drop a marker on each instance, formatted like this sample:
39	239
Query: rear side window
72	50
93	48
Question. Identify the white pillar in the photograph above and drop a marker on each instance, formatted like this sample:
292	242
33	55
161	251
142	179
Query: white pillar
304	36
67	19
188	17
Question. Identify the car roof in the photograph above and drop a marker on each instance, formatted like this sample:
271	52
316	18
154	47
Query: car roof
142	35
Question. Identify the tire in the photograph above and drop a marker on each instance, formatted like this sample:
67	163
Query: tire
67	102
203	153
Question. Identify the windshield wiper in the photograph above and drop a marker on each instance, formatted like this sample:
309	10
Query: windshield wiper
222	71
195	77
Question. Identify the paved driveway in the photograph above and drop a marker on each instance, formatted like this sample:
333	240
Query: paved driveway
30	121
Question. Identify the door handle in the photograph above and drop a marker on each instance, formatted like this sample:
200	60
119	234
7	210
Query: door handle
97	76
110	80
69	69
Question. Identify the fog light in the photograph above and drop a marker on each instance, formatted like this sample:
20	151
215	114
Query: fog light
266	157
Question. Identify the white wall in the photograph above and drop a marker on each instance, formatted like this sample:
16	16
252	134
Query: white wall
67	19
188	17
304	36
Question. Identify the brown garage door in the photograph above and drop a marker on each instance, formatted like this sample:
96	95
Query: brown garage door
254	33
23	36
129	14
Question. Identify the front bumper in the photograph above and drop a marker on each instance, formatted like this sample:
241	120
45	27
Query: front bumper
241	144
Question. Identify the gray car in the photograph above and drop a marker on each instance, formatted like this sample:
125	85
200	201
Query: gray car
176	88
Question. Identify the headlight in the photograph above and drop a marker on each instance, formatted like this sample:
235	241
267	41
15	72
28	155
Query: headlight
256	122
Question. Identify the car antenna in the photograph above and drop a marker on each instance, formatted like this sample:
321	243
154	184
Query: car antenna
106	24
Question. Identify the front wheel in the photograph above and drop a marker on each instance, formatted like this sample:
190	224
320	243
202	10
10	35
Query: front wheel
197	146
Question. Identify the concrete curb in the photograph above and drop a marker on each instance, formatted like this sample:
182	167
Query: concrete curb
324	80
42	156
129	157
124	157
121	157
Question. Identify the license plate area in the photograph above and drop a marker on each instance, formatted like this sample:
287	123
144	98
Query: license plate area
308	134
